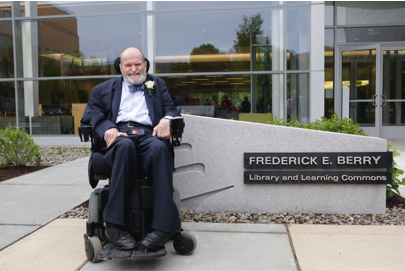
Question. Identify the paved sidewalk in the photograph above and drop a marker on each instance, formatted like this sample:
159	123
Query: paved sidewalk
28	202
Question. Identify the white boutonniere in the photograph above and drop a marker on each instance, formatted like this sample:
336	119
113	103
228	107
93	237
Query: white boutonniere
150	85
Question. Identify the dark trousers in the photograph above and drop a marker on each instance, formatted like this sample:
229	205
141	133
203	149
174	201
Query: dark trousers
125	155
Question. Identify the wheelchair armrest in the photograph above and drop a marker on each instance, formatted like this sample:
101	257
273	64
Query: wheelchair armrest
177	127
85	132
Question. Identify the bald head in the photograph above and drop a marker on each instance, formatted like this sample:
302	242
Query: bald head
132	51
133	65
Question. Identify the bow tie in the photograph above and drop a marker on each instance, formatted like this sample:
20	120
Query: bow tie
133	88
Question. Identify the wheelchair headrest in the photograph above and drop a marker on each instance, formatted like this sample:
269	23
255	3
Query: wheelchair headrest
117	63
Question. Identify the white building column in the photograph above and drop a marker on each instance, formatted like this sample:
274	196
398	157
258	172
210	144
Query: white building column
30	59
277	63
317	60
150	34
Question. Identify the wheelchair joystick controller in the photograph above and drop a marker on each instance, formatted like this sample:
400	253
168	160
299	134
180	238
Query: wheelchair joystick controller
177	127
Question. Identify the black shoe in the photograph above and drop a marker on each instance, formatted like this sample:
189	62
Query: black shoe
156	239
119	238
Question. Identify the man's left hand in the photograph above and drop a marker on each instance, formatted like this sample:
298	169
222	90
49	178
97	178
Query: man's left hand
162	130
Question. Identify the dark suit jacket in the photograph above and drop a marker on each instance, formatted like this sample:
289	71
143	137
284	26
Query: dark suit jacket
102	109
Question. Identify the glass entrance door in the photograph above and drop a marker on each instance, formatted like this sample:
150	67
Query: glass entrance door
357	84
393	94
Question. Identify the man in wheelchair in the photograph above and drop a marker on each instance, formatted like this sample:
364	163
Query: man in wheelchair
131	118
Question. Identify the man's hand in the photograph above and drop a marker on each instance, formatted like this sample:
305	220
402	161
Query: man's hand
162	130
111	134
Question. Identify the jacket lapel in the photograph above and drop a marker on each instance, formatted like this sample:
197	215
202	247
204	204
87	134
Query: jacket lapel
116	98
149	100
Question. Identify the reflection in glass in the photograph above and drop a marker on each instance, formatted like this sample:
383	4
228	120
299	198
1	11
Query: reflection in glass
228	96
47	8
329	13
298	38
358	73
370	12
393	110
6	50
167	5
298	97
5	9
371	34
222	40
329	72
72	47
7	104
59	106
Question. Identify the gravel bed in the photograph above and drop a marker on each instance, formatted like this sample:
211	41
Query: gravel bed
51	156
393	216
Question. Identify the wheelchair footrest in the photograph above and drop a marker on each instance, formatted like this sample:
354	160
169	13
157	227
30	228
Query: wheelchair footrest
143	252
110	252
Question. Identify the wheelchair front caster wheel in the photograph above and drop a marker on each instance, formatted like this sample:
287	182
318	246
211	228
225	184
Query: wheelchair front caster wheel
184	243
93	248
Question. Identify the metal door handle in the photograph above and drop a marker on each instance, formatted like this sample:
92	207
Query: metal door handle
373	100
384	100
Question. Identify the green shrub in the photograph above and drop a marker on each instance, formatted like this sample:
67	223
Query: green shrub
334	124
61	150
17	148
85	149
395	173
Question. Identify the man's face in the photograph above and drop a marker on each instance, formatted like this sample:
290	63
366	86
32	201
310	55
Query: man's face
132	67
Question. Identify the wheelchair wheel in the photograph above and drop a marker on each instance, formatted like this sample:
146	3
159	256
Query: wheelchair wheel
94	211
94	208
93	248
176	198
184	243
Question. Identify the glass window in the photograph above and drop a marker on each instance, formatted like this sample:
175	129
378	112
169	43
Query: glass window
229	96
167	5
371	34
370	12
298	97
6	50
298	38
7	104
329	13
329	72
49	8
219	40
54	106
73	46
393	109
5	9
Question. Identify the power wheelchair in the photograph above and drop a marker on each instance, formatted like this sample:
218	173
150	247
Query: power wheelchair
139	211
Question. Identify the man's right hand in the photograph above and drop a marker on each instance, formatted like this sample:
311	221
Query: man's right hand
111	134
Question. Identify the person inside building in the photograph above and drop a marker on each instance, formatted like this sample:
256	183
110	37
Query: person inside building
226	104
245	106
120	110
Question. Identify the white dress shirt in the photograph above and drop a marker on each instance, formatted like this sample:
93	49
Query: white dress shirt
133	106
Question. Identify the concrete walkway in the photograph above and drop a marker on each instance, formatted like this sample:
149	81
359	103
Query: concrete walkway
31	201
31	238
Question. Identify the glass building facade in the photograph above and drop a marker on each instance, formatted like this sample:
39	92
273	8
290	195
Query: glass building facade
365	65
266	57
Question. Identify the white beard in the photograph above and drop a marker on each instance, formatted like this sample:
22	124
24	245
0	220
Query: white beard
129	80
